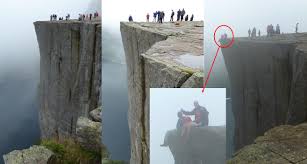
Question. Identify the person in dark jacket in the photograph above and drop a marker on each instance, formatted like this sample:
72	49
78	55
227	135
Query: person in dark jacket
178	14
186	18
172	16
182	14
201	115
192	17
130	19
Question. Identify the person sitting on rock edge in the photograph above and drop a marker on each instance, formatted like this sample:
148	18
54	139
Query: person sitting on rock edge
192	17
130	19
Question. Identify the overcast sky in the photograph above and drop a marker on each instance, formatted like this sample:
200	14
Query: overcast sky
18	44
244	14
164	105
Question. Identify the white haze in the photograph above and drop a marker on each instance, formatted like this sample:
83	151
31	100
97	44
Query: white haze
18	45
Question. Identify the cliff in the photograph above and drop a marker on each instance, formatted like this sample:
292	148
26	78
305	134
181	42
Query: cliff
268	83
70	74
158	55
205	145
285	144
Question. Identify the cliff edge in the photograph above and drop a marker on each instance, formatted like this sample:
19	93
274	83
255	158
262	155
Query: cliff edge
268	77
164	55
70	74
205	145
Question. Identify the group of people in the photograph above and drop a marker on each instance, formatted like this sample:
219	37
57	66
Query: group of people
185	122
158	16
271	30
54	17
253	33
90	16
82	17
224	40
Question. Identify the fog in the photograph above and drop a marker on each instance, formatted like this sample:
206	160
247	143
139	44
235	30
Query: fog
242	15
164	105
19	67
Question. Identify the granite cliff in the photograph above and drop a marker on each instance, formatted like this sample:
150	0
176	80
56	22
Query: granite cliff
70	74
205	145
164	55
69	91
268	84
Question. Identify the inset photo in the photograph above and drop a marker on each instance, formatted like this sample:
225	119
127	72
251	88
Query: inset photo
188	126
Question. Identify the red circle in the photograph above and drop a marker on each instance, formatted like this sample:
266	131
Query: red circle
232	40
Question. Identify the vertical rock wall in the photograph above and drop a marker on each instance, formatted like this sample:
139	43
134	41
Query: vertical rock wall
153	56
70	74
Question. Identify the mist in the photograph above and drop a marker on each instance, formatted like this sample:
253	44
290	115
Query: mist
19	67
242	15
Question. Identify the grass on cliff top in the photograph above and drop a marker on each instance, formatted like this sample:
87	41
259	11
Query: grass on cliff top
70	152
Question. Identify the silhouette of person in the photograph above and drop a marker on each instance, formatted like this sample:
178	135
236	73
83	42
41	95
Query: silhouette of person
172	16
130	19
277	29
147	17
296	28
192	17
186	18
249	32
178	14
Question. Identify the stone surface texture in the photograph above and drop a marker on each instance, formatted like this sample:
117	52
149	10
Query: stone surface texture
268	77
89	133
33	155
70	74
164	55
285	144
205	145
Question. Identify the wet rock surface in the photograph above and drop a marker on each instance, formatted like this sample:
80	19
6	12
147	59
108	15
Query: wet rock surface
158	56
283	144
89	133
70	74
205	145
268	78
33	155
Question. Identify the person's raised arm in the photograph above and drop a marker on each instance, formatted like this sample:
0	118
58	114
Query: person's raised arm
187	112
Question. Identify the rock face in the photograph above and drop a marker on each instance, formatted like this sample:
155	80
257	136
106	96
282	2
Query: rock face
158	55
268	79
70	74
205	145
33	155
284	144
89	134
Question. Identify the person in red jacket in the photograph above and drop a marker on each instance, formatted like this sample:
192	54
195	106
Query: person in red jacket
201	115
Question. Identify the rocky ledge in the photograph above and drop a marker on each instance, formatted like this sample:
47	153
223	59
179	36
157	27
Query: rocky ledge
205	145
168	55
285	144
33	155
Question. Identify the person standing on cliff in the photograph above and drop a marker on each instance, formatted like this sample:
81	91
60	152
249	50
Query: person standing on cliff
277	29
147	17
201	115
178	14
172	16
259	34
296	28
130	19
192	17
249	33
182	14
